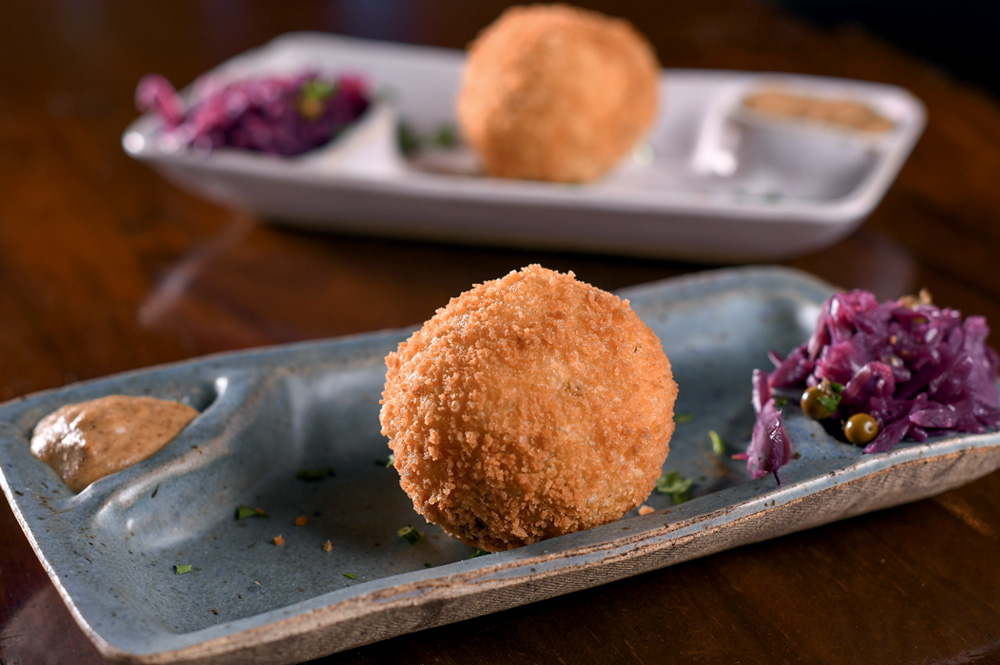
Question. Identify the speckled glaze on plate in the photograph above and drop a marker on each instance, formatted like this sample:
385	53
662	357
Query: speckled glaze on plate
267	414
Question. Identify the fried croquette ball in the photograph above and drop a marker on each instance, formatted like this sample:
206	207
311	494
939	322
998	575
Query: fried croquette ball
529	407
557	93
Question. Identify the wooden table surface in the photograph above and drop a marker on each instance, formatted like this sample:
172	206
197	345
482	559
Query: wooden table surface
106	267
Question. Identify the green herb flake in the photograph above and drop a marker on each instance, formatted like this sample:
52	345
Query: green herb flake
830	402
682	417
391	461
718	447
350	576
780	401
318	89
409	534
407	139
313	97
182	568
443	137
479	552
674	484
244	512
428	564
314	474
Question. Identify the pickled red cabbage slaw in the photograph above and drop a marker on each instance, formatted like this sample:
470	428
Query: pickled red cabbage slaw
283	115
919	370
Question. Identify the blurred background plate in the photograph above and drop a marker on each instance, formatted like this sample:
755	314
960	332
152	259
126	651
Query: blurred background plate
706	186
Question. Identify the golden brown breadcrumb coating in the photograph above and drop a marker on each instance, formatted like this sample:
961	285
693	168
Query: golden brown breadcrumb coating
530	406
557	93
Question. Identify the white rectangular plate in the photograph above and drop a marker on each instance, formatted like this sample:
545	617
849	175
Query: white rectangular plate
787	189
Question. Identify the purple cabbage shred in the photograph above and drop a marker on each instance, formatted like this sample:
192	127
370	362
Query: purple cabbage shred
770	447
282	115
919	370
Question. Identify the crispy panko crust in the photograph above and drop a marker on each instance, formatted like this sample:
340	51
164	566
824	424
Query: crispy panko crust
530	406
557	93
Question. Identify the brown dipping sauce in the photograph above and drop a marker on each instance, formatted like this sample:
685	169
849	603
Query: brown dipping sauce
842	112
87	441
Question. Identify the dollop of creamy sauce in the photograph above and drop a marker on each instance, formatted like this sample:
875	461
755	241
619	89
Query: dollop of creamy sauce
841	112
86	441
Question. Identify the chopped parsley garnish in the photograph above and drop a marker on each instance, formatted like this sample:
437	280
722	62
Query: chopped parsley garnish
479	552
391	461
718	447
314	474
313	97
410	142
407	139
350	576
443	137
683	417
409	534
319	89
676	485
832	402
182	568
244	512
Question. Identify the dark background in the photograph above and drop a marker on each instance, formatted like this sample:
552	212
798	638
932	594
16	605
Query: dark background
960	37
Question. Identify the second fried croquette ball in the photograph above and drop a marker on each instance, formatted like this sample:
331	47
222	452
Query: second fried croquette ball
557	93
529	407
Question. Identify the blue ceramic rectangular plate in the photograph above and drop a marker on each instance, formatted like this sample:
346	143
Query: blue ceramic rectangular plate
267	414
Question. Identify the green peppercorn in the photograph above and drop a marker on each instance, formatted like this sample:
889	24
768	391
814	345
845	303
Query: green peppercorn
860	429
820	401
